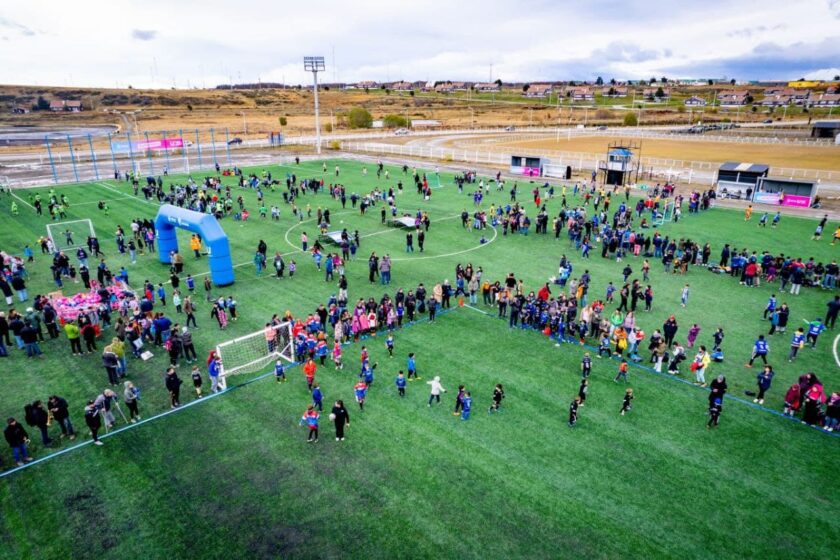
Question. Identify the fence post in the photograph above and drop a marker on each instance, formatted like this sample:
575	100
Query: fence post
134	169
166	152
184	151
72	157
213	143
52	162
113	156
149	152
198	147
227	144
93	157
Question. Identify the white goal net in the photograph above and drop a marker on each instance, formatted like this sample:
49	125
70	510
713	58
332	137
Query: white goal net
556	170
69	235
255	351
664	214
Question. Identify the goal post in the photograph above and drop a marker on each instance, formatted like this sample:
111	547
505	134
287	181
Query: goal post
252	352
69	235
665	214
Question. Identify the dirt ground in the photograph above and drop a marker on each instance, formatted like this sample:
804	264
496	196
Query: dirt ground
781	155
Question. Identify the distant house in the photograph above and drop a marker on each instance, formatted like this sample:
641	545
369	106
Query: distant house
487	87
732	98
614	91
59	105
581	94
826	100
778	100
539	90
788	95
428	86
402	86
444	87
460	86
832	89
367	84
20	110
695	101
650	93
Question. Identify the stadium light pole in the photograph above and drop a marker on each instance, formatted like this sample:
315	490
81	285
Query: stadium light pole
315	64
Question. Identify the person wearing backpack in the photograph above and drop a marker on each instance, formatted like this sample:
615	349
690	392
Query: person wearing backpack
37	416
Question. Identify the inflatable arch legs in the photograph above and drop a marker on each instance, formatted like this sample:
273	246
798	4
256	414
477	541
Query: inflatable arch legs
207	227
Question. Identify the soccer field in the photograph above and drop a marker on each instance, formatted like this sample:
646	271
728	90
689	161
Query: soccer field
232	474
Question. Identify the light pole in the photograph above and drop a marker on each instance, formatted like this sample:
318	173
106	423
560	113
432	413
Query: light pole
244	123
315	64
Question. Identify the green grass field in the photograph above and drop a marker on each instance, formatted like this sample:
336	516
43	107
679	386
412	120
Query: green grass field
232	475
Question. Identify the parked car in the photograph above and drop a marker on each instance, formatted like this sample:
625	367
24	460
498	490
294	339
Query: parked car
233	141
602	127
510	128
768	121
401	132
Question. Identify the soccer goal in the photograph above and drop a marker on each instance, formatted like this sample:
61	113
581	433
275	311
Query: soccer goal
666	214
253	352
69	235
556	170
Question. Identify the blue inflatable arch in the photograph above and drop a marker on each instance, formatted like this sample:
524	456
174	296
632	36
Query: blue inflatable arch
207	227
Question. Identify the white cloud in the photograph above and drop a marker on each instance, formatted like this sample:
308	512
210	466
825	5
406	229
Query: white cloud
168	41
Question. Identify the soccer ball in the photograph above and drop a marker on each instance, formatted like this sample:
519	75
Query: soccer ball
332	417
341	222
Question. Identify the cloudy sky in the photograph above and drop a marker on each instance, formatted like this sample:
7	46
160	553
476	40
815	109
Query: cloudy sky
161	43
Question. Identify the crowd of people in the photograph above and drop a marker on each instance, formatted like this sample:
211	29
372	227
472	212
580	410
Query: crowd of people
571	315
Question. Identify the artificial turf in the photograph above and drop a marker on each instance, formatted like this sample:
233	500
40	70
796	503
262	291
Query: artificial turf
233	475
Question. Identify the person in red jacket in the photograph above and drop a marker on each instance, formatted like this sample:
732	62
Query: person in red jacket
309	371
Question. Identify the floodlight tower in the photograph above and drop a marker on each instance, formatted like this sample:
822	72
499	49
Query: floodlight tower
315	64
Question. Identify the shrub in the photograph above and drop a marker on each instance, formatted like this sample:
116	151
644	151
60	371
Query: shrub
335	145
359	117
630	119
395	121
283	121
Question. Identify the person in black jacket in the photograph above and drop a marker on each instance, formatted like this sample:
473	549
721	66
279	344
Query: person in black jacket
17	439
4	329
20	286
59	409
29	336
833	310
16	326
7	290
718	389
173	385
40	417
342	417
93	421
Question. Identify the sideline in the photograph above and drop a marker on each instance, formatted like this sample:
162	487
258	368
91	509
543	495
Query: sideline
690	384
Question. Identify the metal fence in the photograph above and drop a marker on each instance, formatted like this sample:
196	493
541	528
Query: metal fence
702	172
90	158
